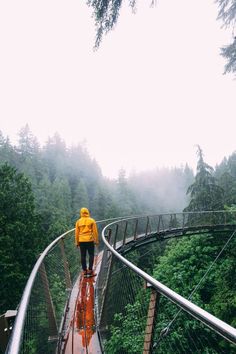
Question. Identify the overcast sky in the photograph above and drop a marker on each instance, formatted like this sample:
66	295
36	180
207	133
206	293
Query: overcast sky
153	90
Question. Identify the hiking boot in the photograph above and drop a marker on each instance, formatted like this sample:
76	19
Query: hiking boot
90	273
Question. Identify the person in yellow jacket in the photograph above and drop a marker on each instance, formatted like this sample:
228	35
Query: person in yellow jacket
86	236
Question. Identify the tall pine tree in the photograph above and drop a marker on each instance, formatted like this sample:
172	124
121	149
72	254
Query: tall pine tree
19	235
205	193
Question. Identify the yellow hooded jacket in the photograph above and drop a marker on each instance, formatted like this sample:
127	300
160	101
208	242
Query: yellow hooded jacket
85	228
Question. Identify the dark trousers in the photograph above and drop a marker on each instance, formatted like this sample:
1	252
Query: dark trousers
84	248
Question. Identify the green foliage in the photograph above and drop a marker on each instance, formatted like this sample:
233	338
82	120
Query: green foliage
227	10
60	181
227	13
106	14
19	235
80	198
57	290
146	257
125	328
205	193
30	346
183	267
229	53
63	180
226	174
126	198
184	263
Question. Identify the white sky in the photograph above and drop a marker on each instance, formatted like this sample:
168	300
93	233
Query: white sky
153	90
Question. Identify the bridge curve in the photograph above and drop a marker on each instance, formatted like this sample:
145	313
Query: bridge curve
120	236
211	321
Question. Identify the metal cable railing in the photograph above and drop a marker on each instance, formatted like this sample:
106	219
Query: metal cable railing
44	298
40	316
123	302
38	327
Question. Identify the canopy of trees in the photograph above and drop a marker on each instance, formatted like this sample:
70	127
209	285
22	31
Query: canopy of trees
106	14
43	188
205	192
20	234
201	267
227	13
54	183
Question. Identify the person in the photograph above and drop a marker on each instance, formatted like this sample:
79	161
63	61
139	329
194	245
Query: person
86	236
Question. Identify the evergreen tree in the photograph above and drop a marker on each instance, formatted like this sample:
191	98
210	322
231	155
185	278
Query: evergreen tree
183	268
106	14
19	235
45	206
188	176
82	166
103	204
232	165
54	156
80	199
227	13
205	193
7	152
226	174
27	144
29	159
228	184
61	200
125	196
57	207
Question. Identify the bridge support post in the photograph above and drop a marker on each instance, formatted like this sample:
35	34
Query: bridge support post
147	226
125	231
108	259
50	308
135	229
151	315
65	264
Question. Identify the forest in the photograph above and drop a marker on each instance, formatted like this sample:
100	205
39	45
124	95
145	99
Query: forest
200	267
42	189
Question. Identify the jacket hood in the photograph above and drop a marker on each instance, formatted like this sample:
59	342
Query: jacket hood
84	212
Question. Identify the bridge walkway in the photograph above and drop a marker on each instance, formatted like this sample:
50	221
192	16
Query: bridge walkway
81	336
57	311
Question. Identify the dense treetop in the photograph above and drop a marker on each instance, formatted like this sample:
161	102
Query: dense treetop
227	13
106	14
43	189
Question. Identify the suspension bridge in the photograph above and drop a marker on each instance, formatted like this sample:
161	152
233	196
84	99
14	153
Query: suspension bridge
61	312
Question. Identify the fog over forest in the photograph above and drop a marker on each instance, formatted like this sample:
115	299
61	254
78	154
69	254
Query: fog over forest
42	189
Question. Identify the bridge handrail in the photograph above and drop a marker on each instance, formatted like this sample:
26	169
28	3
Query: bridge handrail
15	339
211	321
16	336
14	344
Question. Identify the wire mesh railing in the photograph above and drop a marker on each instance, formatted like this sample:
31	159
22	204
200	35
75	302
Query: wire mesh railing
133	315
124	325
145	227
39	323
45	298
